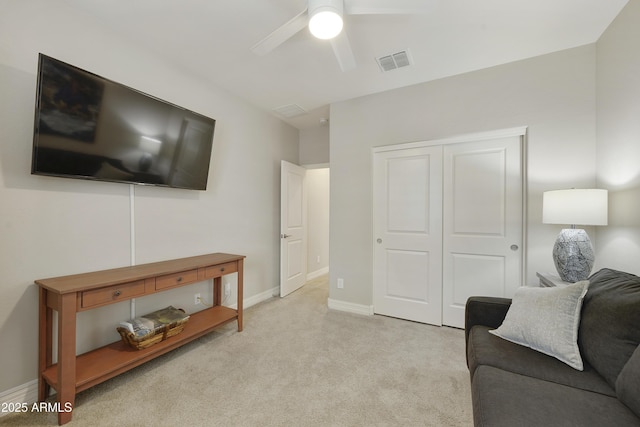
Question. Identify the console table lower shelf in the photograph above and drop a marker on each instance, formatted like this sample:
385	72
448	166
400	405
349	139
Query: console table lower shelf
109	361
69	295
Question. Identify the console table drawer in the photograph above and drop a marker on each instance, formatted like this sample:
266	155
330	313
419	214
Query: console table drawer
112	294
220	270
176	279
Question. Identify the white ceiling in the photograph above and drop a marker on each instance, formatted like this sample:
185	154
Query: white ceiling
212	38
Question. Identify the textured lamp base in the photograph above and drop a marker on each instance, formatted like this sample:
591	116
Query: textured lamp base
573	255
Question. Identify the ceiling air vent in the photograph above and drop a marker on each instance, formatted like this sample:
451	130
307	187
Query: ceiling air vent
291	110
393	61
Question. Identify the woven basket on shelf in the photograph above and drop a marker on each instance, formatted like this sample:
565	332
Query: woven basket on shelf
154	337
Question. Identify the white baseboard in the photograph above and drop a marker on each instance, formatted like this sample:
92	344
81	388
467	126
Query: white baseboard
25	393
350	307
317	273
256	299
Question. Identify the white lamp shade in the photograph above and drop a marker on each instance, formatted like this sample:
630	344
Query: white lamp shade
325	18
575	206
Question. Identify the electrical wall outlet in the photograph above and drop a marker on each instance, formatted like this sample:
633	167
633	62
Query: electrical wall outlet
340	283
196	299
318	259
227	289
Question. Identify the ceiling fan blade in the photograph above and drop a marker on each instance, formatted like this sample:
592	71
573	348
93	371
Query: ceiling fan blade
282	34
389	7
343	52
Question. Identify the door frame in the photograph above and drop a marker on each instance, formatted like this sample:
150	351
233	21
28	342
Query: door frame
520	132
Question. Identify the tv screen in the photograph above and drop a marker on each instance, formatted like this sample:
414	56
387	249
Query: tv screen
89	127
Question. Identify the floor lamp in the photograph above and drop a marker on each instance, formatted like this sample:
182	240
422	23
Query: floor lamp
572	253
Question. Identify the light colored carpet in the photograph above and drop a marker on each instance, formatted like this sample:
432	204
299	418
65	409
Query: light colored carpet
296	363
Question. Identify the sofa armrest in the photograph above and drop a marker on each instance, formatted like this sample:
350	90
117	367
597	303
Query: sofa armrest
487	311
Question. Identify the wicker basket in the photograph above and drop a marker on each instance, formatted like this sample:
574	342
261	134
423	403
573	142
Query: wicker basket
154	337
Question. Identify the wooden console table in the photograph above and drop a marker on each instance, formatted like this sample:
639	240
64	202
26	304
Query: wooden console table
70	294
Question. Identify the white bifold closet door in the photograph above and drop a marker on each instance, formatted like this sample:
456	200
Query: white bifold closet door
448	222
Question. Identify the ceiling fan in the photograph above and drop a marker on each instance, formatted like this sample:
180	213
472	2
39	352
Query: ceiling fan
325	21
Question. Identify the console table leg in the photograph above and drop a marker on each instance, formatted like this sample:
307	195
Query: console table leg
45	344
66	356
240	292
217	290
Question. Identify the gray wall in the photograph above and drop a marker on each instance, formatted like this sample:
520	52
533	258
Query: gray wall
314	145
554	95
53	226
618	149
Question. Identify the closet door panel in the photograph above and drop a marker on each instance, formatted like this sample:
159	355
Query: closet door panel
482	222
408	234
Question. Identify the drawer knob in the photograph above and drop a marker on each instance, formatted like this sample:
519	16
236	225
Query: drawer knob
222	269
117	293
179	279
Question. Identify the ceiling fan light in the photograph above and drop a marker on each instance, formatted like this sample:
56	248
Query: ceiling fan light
325	23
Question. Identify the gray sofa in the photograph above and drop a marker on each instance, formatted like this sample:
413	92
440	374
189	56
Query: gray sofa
513	385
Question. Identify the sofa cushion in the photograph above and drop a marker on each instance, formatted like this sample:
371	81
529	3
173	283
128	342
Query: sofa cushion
487	349
610	327
628	383
502	398
547	320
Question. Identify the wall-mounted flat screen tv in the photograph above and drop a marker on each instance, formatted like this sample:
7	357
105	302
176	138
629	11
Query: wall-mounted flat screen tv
89	127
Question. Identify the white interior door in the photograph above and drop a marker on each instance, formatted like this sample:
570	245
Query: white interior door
407	211
293	233
483	222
